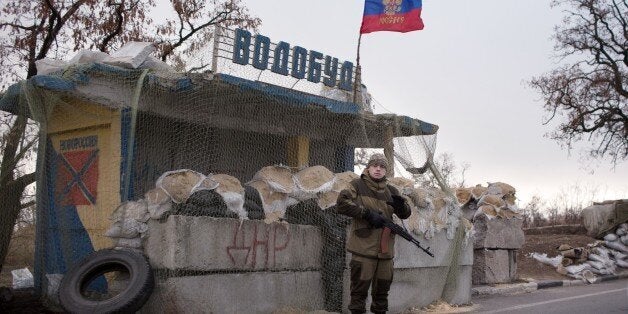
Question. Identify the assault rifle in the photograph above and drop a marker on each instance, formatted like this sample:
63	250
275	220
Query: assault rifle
397	229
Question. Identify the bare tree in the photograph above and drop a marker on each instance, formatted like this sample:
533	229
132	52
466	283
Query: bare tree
452	173
37	29
532	215
553	215
572	199
590	92
361	157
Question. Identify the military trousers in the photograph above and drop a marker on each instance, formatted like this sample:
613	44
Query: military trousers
373	273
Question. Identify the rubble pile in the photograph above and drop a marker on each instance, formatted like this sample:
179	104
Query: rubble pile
599	258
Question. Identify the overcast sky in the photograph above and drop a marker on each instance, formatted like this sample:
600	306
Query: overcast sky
465	72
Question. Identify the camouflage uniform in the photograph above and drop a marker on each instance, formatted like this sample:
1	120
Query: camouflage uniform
372	249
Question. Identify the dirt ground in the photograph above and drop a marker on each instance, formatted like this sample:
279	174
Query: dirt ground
529	268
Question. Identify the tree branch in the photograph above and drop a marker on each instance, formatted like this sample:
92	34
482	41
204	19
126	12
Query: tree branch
18	26
193	30
117	30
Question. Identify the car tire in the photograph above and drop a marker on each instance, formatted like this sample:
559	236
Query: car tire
129	300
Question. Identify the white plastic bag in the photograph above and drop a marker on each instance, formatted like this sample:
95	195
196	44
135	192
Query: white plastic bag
22	278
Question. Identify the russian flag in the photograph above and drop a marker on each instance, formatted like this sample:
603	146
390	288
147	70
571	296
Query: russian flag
391	15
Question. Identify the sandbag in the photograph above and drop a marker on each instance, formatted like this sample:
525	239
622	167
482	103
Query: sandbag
180	184
232	193
542	257
500	188
131	210
622	264
463	195
610	237
617	246
597	265
279	178
253	203
478	191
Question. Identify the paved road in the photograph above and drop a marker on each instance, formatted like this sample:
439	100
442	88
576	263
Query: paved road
605	297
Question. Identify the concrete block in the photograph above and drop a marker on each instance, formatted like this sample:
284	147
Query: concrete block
407	255
494	266
219	244
498	233
257	292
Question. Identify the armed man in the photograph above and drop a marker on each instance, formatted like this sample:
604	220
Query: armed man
371	202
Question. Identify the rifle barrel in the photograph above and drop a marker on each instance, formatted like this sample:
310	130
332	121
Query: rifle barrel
396	229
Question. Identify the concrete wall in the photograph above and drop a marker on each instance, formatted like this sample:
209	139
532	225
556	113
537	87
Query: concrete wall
216	265
258	292
223	244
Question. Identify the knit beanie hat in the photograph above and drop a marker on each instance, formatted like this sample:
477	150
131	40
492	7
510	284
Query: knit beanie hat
378	159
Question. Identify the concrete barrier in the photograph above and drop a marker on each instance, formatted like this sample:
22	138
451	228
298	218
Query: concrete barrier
221	265
498	233
224	244
496	243
258	292
494	266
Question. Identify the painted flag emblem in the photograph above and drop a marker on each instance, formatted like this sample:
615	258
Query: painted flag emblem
77	177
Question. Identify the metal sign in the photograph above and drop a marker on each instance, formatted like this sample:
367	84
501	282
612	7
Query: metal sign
295	61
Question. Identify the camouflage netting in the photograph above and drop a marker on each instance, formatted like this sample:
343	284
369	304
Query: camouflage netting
126	143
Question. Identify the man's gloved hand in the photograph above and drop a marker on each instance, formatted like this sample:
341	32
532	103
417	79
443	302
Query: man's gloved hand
397	203
375	219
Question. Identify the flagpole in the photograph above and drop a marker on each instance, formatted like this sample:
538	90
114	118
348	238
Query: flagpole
358	75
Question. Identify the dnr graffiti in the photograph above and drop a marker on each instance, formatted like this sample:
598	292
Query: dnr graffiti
257	246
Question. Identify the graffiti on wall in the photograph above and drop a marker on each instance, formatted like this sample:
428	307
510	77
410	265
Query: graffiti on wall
258	245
